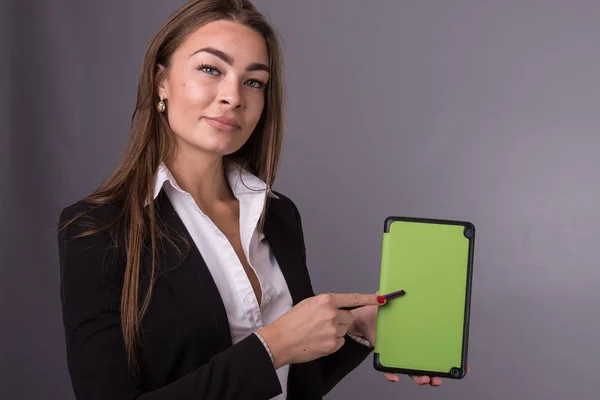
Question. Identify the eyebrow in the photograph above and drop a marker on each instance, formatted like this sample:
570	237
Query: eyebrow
229	59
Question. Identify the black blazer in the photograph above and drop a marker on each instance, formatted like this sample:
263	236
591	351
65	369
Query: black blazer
187	343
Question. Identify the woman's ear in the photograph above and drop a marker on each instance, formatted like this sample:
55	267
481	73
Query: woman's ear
162	83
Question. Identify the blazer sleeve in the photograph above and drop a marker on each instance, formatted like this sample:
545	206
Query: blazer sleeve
337	365
92	270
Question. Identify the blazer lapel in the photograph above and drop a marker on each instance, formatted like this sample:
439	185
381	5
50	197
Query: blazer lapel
285	246
186	272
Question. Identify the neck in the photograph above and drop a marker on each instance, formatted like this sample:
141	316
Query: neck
202	176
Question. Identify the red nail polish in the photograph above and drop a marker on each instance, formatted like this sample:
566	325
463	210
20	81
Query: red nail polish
381	299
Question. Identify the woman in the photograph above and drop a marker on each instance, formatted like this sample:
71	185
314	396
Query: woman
184	276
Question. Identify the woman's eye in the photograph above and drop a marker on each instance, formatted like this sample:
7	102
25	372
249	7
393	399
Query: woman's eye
255	83
209	69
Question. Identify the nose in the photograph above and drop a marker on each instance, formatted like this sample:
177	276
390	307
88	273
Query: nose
230	94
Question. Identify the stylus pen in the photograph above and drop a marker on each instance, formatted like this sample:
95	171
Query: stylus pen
388	296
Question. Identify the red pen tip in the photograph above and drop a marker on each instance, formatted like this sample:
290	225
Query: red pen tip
381	299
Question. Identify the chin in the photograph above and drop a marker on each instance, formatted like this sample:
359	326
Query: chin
215	142
222	148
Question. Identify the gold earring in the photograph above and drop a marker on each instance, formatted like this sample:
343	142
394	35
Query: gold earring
162	106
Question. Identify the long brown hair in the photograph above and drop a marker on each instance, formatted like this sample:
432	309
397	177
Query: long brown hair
152	142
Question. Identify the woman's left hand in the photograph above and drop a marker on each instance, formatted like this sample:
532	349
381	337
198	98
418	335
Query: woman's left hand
364	325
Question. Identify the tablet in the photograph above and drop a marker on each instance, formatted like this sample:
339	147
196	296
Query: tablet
426	331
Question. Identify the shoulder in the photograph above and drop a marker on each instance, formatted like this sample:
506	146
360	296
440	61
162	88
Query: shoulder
284	203
82	215
90	244
285	208
93	229
100	212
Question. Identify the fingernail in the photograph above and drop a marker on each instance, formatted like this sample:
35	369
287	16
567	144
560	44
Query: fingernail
381	299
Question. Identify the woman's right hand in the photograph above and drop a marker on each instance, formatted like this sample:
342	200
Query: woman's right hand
314	328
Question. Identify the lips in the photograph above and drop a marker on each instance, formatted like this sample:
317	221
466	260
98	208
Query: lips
223	123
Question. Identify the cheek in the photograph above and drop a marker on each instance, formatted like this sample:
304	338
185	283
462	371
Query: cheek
195	93
187	104
256	108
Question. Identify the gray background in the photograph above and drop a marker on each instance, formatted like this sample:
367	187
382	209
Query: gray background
471	109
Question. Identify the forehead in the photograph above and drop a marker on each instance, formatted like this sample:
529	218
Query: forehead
239	41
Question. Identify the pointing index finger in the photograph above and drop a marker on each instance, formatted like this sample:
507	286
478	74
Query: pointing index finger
341	300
